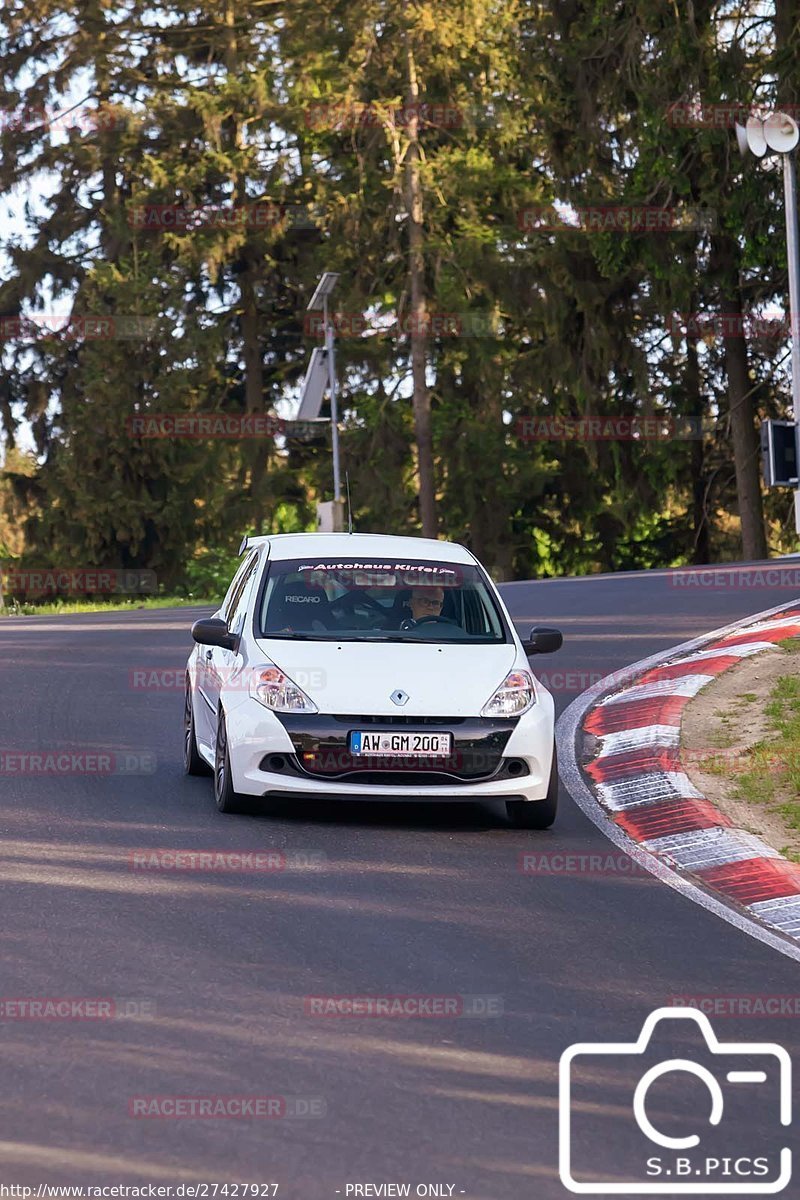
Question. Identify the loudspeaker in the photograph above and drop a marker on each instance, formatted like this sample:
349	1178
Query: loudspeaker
781	132
754	133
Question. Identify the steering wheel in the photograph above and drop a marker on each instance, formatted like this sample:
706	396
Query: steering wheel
441	620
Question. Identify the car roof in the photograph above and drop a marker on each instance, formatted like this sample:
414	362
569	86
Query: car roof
353	546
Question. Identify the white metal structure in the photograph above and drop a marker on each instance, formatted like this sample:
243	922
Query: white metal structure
780	134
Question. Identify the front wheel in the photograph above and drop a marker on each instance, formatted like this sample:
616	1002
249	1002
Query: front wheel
536	814
228	801
193	764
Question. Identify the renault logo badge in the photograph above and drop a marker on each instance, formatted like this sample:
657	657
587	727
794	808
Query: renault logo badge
399	697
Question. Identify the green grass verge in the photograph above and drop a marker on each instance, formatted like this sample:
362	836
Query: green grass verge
772	766
65	607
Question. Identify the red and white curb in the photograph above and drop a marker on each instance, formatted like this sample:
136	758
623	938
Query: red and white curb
635	789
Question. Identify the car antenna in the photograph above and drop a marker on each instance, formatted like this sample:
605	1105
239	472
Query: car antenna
349	508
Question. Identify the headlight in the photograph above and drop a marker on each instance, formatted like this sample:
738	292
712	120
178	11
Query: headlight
515	694
277	691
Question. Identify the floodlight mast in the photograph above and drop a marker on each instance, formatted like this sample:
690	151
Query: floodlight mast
337	481
327	283
322	294
779	134
793	260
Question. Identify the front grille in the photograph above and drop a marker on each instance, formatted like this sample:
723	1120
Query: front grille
355	722
400	778
321	750
433	773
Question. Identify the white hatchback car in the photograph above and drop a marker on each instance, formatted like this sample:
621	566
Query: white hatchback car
366	666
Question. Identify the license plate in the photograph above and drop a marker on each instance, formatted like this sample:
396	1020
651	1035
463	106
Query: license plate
421	745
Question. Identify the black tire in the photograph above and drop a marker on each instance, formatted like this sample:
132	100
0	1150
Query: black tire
536	814
228	801
193	764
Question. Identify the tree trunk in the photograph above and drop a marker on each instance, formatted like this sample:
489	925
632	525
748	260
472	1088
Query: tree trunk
787	43
746	451
253	362
701	541
416	269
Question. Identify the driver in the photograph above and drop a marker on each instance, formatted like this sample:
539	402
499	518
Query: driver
424	602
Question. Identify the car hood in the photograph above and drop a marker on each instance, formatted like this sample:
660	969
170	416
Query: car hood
358	678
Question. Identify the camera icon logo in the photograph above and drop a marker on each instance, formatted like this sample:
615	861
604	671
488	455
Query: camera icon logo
709	1119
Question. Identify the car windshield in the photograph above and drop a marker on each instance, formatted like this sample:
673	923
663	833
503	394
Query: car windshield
385	601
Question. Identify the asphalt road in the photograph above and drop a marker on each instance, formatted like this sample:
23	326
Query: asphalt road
410	900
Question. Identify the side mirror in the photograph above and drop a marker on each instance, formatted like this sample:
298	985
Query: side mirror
213	631
543	640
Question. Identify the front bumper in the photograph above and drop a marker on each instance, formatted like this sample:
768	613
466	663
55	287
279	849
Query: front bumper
491	759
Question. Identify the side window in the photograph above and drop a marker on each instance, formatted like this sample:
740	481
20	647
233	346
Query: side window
235	590
225	607
241	596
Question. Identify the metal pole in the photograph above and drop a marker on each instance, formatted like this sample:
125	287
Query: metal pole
793	259
337	482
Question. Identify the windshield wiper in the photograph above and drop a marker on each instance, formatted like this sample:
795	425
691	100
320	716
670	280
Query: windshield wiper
321	637
296	637
398	637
